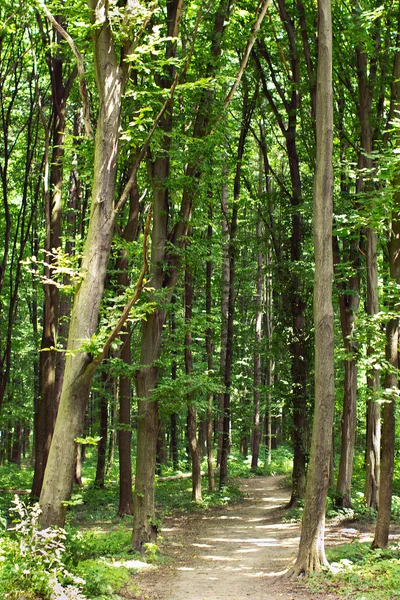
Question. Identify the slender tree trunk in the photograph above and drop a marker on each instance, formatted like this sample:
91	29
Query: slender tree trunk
48	400
349	300
256	437
102	445
192	416
381	537
165	268
209	351
224	301
174	417
125	431
311	553
392	357
372	305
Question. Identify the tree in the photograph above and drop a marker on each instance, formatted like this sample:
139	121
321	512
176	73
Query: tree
392	341
311	555
112	72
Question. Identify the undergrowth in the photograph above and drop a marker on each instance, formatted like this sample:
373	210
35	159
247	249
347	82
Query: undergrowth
359	573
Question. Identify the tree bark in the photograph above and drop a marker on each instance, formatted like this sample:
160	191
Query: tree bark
192	413
125	432
256	436
102	445
164	273
349	300
365	87
311	553
57	484
392	357
48	400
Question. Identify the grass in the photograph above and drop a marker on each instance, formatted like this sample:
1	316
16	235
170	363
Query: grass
360	573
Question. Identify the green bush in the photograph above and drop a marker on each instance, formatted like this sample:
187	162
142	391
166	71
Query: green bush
360	573
32	561
102	579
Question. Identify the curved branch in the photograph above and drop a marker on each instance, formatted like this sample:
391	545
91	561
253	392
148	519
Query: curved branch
80	66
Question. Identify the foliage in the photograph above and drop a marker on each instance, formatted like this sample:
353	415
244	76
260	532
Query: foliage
32	561
102	579
360	573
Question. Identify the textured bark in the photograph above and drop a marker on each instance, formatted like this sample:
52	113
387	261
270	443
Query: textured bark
58	476
365	87
48	399
311	553
392	357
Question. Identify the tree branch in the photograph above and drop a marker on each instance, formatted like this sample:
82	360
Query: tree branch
128	307
80	65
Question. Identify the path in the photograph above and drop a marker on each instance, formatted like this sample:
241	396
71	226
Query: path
233	553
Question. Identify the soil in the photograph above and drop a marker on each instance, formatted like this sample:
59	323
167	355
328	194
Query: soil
237	552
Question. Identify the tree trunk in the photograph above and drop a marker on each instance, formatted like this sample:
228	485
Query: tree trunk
192	416
209	352
164	272
311	553
48	400
256	436
349	300
102	445
381	537
372	304
224	301
125	432
57	484
392	357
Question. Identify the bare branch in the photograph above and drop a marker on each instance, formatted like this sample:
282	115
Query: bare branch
140	284
246	55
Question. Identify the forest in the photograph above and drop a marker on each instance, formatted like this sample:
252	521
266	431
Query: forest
199	282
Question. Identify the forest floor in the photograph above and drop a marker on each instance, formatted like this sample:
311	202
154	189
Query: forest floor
235	552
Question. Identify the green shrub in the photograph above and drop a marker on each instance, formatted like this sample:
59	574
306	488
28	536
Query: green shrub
103	580
360	573
32	561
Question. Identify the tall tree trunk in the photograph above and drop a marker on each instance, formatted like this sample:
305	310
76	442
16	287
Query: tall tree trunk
392	357
373	381
174	417
256	436
349	300
311	553
48	399
165	266
209	351
192	413
247	112
79	370
125	432
224	301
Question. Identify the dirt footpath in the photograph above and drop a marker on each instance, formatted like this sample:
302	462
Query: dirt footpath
233	553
